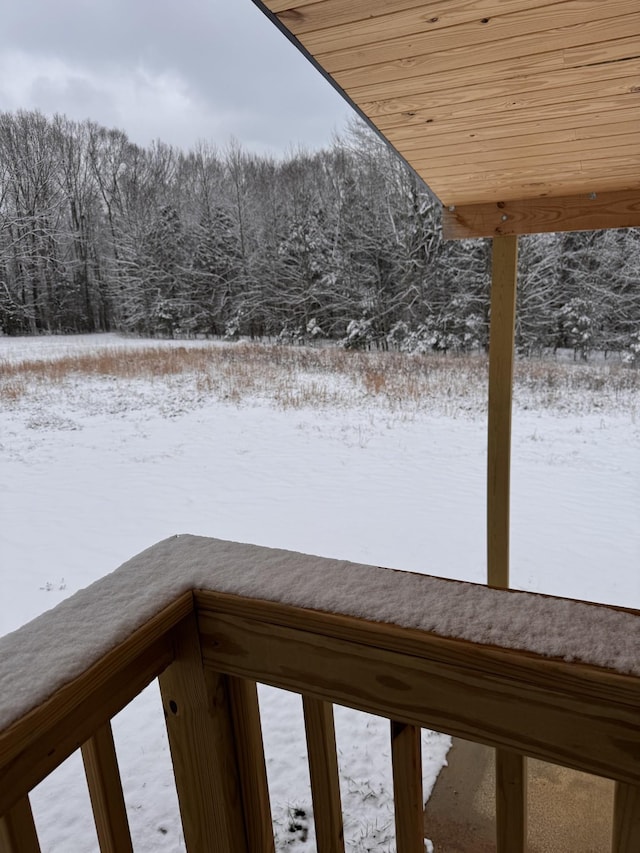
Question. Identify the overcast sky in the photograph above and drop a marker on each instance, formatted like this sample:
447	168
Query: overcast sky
176	70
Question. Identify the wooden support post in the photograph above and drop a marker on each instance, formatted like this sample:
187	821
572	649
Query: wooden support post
626	819
323	771
245	713
503	310
201	739
18	831
105	791
406	755
511	768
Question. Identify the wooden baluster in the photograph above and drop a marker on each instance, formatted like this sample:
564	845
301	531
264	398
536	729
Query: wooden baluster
105	791
626	819
201	739
511	802
245	713
406	755
323	771
18	831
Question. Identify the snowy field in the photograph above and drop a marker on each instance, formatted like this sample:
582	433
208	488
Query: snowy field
95	469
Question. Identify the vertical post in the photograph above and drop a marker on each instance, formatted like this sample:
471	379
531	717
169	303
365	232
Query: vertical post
18	831
105	791
201	739
501	340
406	756
626	819
323	772
252	771
511	768
511	802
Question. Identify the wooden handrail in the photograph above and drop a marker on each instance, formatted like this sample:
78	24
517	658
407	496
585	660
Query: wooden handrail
41	740
209	647
566	713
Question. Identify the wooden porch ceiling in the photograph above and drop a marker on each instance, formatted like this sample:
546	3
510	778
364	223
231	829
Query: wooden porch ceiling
496	104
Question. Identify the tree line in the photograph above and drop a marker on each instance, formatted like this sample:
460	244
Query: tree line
100	234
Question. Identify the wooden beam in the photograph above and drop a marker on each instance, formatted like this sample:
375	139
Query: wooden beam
105	791
201	740
41	740
18	831
503	309
252	772
626	819
406	755
619	209
567	713
323	772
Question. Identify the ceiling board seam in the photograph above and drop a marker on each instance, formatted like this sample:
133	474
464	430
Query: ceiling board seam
543	80
399	46
626	83
522	42
309	36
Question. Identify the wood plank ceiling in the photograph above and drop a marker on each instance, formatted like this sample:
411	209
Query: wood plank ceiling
490	101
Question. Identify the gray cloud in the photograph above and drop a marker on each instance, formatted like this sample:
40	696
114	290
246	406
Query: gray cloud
177	71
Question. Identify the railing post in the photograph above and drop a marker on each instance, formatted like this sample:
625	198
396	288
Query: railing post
511	768
18	831
201	739
626	819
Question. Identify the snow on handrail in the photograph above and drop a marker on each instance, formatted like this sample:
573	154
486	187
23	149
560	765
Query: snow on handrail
59	645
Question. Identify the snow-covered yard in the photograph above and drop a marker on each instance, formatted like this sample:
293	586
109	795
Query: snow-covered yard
95	470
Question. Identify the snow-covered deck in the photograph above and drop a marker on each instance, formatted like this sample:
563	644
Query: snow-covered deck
547	677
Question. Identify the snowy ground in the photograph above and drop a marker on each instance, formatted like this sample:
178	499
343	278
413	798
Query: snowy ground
95	472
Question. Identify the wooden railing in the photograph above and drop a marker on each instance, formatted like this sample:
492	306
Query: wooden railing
209	648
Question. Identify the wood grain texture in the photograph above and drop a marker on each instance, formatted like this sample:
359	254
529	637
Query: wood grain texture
465	133
501	344
323	772
557	147
511	802
568	714
505	72
18	830
409	57
464	195
599	39
530	216
245	716
515	95
201	739
532	27
42	739
450	74
105	791
325	29
603	99
408	801
626	819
